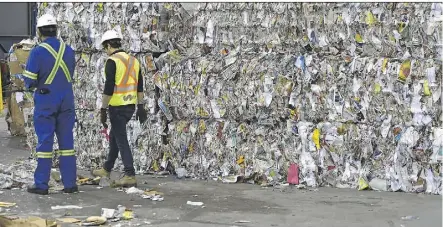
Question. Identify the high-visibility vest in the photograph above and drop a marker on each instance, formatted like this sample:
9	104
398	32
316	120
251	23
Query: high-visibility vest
126	79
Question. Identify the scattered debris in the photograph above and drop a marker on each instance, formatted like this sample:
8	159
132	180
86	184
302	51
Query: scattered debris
65	207
128	215
68	220
153	195
362	184
123	213
81	180
242	222
134	190
26	222
152	192
282	186
114	215
300	186
195	203
6	204
147	194
409	218
56	189
181	172
17	175
108	213
232	179
94	221
378	184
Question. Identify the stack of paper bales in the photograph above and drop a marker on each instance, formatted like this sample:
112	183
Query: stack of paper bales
351	92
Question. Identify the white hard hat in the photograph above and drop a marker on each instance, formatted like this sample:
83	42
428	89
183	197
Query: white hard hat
111	34
46	20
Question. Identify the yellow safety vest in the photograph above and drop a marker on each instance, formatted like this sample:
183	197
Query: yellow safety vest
126	79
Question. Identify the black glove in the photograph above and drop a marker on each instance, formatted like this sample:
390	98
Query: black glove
157	54
104	117
141	114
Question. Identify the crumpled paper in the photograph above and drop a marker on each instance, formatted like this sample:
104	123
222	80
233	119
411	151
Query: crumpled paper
17	175
347	91
21	174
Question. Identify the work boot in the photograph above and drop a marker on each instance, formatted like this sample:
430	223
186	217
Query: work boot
71	190
101	173
125	182
33	189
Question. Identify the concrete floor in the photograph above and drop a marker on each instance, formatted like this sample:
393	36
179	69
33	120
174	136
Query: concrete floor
226	204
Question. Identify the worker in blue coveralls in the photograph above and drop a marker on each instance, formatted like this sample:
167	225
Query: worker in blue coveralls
49	71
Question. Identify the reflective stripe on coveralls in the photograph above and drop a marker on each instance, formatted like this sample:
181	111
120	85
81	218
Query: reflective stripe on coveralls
29	75
60	152
66	152
44	154
58	62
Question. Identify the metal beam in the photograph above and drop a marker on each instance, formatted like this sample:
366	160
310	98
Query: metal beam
3	49
14	36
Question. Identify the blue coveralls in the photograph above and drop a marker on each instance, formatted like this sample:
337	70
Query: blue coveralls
50	69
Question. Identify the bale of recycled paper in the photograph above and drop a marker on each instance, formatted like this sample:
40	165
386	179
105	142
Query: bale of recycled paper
347	91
